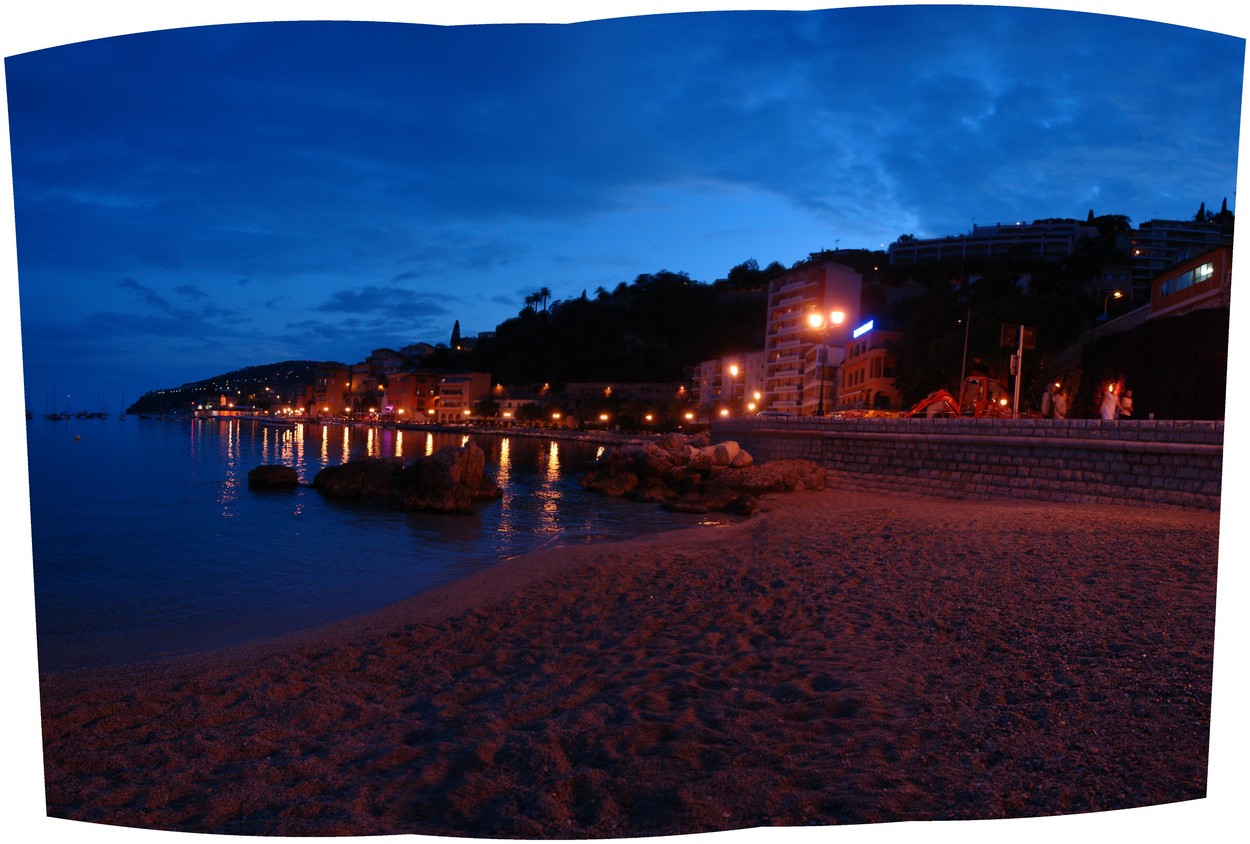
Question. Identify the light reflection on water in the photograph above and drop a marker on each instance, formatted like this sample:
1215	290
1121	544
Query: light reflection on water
158	547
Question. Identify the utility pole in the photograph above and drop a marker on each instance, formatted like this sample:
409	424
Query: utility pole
1019	371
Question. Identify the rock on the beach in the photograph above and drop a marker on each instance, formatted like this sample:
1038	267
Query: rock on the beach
694	475
272	476
775	476
452	480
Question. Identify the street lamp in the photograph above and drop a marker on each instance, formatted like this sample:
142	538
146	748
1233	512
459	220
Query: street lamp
818	322
1106	300
733	375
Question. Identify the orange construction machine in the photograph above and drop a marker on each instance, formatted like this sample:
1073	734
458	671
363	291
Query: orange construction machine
979	396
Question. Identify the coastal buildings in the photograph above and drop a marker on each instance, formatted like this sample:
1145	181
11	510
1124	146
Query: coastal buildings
868	372
1151	248
1158	245
1203	281
812	311
412	396
1042	239
457	393
325	396
733	383
801	336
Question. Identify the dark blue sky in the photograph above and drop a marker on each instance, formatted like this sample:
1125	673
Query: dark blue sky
188	202
194	200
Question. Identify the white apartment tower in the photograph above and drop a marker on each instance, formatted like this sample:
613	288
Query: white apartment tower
812	312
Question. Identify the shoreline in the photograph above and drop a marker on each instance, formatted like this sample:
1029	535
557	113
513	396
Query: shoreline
837	658
438	603
106	641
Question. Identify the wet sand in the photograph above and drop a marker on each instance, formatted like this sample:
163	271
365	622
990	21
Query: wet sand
837	658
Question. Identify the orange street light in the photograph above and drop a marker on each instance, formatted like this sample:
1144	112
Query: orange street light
1106	300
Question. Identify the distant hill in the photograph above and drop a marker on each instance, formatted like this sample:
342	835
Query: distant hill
261	385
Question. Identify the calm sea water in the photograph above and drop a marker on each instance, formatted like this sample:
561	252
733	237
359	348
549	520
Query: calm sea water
147	542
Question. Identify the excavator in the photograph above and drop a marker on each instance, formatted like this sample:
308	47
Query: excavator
980	396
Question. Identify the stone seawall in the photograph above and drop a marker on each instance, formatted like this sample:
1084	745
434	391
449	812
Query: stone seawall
1148	462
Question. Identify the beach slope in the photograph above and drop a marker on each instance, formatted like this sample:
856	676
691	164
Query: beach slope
837	658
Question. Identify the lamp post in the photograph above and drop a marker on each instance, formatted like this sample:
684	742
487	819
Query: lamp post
733	375
1106	300
818	321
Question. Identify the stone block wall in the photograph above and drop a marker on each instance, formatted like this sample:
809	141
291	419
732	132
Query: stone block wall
1148	462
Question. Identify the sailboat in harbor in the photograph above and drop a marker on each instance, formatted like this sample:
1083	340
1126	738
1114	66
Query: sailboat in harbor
50	413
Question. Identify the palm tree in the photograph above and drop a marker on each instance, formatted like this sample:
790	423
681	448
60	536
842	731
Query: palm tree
543	295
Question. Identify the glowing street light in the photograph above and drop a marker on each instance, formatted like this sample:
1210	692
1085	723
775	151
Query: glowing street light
817	321
1106	300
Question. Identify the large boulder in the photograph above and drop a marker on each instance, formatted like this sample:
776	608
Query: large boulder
271	476
615	473
371	480
452	480
694	475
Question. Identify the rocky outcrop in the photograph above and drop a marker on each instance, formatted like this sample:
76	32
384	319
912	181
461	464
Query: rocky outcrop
270	476
452	480
696	476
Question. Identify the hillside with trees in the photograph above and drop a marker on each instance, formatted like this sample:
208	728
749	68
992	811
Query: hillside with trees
260	385
651	329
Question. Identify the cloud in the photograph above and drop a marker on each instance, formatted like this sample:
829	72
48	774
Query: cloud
146	294
397	302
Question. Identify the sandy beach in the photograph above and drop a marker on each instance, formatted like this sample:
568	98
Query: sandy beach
837	658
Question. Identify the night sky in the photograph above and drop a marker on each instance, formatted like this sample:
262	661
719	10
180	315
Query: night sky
194	200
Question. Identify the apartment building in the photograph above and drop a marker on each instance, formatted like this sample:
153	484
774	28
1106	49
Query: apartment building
734	382
412	396
1051	240
1158	245
1203	281
458	392
326	396
868	373
812	312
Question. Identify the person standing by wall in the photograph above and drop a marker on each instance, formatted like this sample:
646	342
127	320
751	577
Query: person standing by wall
1110	408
